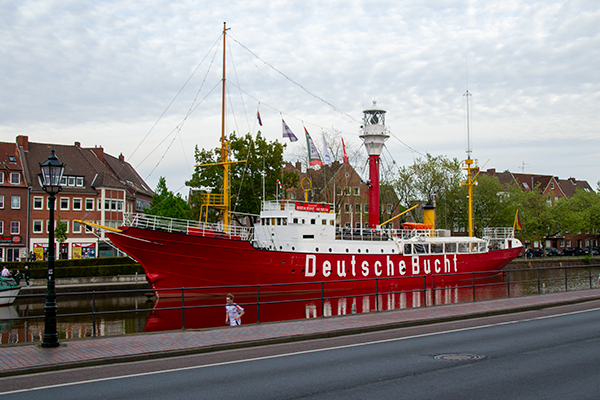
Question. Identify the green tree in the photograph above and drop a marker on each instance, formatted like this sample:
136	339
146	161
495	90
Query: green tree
264	160
491	206
60	231
432	179
580	213
536	214
165	203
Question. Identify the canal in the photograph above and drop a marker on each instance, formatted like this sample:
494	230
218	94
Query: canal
115	313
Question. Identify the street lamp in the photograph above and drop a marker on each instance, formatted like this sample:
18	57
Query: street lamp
52	172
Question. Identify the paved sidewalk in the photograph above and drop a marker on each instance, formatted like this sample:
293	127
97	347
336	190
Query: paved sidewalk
27	358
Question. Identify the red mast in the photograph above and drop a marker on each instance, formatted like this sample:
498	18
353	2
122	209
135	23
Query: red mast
374	136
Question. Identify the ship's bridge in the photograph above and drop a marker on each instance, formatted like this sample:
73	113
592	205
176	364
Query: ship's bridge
294	225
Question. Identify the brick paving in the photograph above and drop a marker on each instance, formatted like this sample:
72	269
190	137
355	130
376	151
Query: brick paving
26	358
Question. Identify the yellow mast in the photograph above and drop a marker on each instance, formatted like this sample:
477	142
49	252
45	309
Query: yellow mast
221	201
470	167
224	145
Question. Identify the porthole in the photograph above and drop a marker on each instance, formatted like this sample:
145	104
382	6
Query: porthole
330	250
367	250
316	249
293	248
347	250
293	271
393	251
382	250
359	250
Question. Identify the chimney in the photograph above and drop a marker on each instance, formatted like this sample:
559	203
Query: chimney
99	151
23	141
122	158
298	165
491	171
77	144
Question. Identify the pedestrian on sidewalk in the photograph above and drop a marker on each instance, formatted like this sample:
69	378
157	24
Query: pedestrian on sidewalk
26	275
18	276
233	312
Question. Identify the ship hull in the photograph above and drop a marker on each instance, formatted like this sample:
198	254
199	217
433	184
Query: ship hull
179	260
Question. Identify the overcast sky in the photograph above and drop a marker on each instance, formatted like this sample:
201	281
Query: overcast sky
104	72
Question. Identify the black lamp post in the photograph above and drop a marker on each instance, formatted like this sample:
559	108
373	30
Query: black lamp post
52	172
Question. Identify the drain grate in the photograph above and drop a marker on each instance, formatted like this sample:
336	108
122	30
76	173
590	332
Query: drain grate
458	357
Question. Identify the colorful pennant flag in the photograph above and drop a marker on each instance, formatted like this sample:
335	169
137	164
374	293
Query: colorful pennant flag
313	154
326	155
287	132
345	156
258	117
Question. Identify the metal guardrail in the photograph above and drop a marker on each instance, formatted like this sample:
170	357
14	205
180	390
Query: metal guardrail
186	226
561	281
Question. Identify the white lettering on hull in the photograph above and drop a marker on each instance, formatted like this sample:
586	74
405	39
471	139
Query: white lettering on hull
419	265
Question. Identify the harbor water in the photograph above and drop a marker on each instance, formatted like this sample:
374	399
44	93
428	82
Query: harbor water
137	311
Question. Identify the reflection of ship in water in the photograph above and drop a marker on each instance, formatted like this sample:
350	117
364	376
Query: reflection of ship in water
208	310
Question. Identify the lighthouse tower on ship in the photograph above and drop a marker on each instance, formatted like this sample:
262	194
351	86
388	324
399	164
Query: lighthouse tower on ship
374	135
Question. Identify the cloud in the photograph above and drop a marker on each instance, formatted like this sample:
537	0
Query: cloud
104	72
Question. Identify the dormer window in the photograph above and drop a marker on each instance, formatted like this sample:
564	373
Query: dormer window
11	158
15	178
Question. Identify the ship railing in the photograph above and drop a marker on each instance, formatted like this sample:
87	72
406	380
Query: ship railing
290	205
191	227
386	234
498	233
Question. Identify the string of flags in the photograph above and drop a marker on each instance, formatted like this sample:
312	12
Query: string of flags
313	153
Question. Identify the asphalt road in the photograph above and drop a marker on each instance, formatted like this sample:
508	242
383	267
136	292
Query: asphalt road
546	354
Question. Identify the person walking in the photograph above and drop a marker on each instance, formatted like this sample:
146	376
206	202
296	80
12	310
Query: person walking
26	275
233	312
18	276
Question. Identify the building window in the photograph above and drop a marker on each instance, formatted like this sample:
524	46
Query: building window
12	255
15	202
64	203
552	185
77	204
71	181
38	203
357	208
79	181
76	227
357	191
1	201
389	208
347	208
37	226
1	177
357	225
366	208
89	204
1	227
15	178
15	227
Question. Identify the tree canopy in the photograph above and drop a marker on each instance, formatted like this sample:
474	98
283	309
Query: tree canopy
168	204
264	160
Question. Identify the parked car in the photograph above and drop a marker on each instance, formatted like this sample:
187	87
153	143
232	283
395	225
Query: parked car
531	253
573	251
592	250
552	252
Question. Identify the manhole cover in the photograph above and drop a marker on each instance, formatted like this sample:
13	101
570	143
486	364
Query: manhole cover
458	357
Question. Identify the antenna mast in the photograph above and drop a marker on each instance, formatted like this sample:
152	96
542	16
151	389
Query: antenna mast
470	166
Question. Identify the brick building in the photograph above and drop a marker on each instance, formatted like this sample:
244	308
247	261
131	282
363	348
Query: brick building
13	204
96	187
555	188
